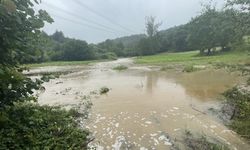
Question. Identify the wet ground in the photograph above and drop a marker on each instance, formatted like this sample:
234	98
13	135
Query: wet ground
145	108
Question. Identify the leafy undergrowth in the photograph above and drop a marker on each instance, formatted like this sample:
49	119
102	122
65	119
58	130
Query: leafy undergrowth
239	100
202	143
189	69
30	126
120	68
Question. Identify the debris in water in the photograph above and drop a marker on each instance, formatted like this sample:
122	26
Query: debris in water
148	122
177	129
176	108
165	139
119	142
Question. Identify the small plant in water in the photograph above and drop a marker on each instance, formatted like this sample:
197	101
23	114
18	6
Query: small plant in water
202	142
166	68
104	90
189	69
120	68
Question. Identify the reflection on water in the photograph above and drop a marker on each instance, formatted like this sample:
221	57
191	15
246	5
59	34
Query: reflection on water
207	84
145	109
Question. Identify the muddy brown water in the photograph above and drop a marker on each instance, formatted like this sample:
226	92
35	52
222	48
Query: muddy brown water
146	108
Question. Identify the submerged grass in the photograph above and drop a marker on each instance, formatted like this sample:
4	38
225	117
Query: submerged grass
202	143
120	68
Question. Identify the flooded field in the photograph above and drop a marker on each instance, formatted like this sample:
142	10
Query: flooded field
145	108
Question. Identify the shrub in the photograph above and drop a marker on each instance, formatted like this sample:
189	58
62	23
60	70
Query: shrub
104	90
202	143
189	69
109	56
30	126
120	68
239	99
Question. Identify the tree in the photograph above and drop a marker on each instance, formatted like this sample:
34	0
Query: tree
24	125
241	17
244	4
76	50
151	44
204	30
19	27
151	26
58	36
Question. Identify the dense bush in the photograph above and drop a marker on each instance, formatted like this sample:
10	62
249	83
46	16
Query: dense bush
15	87
30	126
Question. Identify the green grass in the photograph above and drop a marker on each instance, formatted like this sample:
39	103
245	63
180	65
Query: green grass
120	68
61	63
193	58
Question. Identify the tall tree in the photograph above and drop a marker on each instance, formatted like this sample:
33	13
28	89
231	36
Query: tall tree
151	26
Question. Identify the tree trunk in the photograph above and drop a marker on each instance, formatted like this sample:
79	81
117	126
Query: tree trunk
209	51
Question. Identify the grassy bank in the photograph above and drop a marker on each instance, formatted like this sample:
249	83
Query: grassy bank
193	58
238	101
62	63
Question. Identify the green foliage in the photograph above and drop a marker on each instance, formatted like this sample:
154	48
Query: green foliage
47	77
202	143
120	68
108	56
14	87
212	29
189	68
19	29
28	126
240	100
74	50
24	125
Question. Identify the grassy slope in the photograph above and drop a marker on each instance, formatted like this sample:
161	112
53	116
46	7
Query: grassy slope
193	58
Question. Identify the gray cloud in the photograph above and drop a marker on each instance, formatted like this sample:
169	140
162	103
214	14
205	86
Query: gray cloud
74	19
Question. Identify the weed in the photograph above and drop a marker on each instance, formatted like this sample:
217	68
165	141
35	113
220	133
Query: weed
202	142
104	90
189	69
120	68
239	100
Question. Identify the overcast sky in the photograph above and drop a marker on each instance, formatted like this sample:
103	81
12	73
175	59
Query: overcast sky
97	20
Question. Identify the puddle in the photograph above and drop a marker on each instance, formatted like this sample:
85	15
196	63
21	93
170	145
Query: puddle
145	109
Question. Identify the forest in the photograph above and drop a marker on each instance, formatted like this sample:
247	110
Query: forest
225	29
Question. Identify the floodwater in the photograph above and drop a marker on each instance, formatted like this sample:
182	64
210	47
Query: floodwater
145	108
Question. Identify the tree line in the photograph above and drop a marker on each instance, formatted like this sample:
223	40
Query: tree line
210	30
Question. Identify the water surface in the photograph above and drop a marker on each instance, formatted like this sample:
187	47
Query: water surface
146	108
